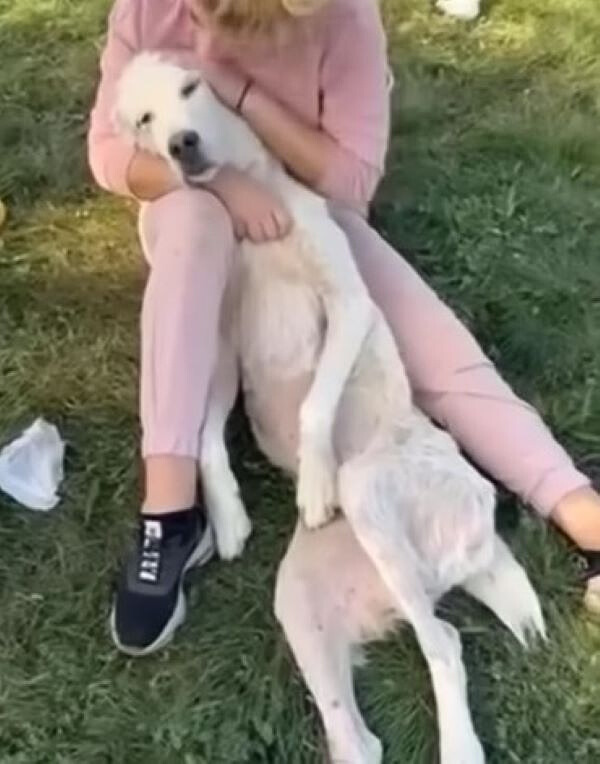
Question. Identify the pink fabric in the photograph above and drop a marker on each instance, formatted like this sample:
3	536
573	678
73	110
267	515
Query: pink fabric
189	245
316	73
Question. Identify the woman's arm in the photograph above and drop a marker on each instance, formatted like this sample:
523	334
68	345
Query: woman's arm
344	158
109	155
304	150
120	168
312	155
255	213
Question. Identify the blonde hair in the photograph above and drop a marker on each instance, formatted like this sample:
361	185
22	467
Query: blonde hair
255	15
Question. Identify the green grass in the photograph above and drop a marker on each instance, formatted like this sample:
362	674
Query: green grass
494	186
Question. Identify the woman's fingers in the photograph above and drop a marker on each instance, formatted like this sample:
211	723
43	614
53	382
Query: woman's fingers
239	229
283	222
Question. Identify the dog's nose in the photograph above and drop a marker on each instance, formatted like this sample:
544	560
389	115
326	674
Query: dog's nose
184	145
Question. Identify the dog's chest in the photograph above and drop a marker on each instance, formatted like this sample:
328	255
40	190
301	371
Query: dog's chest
281	319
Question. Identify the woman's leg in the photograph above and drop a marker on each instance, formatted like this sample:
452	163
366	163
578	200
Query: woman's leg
459	387
188	241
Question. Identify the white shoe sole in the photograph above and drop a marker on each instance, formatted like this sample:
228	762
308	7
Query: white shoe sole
201	555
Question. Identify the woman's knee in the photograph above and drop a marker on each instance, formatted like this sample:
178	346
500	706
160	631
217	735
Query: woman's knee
185	228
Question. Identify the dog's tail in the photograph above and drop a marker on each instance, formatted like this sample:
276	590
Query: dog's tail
506	590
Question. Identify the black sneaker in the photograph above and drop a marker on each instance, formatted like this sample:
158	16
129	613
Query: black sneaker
150	602
589	563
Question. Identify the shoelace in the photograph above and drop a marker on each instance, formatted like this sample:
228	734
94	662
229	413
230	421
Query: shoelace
150	553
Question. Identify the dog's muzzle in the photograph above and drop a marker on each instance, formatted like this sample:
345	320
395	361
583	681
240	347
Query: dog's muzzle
185	149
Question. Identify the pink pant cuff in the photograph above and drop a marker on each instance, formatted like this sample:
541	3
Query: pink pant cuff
161	446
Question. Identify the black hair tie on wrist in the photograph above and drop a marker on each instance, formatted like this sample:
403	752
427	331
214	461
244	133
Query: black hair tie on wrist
243	94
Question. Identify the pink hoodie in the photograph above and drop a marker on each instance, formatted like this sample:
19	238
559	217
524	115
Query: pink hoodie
332	73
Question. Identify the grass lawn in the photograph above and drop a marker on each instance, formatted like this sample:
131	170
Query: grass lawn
494	187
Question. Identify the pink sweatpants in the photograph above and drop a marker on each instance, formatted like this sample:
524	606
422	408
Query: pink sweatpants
190	246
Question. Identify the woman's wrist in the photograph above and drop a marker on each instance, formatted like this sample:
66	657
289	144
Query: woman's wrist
220	185
243	96
251	98
227	82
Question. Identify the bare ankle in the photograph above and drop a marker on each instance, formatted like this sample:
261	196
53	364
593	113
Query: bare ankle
171	483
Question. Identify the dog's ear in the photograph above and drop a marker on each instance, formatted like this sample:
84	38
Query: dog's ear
194	73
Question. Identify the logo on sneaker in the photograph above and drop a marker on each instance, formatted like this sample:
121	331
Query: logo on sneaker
149	567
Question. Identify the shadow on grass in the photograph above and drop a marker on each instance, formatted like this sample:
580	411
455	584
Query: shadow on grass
47	78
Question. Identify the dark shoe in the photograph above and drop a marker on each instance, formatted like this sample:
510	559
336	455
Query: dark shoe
590	567
150	602
590	573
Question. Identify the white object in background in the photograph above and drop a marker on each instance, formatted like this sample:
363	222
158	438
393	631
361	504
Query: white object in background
461	9
31	467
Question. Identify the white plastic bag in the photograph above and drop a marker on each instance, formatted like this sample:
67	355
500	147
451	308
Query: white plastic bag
31	467
460	9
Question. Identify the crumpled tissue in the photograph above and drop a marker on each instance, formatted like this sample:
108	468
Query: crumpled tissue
460	9
31	466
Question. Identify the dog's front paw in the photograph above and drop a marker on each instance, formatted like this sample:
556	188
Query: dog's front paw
462	749
364	748
226	511
232	527
316	493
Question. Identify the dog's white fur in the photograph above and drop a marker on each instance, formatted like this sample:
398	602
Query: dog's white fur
329	400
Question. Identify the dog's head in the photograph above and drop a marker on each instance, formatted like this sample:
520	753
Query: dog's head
161	107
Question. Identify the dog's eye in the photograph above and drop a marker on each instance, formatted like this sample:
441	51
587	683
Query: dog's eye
145	119
187	90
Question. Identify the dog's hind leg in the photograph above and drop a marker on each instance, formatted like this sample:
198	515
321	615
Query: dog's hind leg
506	590
309	589
376	519
221	491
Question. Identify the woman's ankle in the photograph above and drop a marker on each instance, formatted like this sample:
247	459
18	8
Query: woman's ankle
578	516
171	483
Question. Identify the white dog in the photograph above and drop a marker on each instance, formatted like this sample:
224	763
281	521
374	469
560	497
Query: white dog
328	400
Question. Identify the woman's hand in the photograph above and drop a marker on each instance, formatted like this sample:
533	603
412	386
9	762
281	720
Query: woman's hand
257	214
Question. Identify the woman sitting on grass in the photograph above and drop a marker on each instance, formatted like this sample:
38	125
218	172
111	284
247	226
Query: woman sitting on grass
311	78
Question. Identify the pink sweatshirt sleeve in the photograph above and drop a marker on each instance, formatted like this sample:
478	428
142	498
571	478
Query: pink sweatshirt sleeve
356	109
109	154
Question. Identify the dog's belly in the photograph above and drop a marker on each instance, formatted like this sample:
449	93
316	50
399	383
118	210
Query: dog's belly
281	331
347	586
273	409
280	320
273	406
280	337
